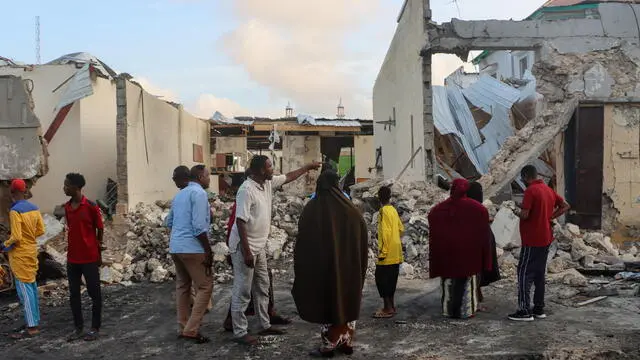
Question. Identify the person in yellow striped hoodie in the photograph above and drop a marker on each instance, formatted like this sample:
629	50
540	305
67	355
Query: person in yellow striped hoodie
389	253
22	248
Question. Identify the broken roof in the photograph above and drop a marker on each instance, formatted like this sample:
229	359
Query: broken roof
85	58
452	115
308	120
9	62
563	7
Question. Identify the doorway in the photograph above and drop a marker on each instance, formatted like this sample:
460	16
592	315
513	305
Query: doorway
584	155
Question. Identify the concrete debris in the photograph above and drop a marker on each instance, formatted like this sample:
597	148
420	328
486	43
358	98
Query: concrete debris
569	277
52	228
572	248
591	301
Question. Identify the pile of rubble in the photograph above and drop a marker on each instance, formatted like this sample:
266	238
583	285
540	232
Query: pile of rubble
573	252
413	202
145	256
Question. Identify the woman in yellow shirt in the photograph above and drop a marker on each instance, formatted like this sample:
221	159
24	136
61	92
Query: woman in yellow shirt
390	253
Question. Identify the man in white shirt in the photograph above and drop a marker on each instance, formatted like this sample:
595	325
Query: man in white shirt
247	245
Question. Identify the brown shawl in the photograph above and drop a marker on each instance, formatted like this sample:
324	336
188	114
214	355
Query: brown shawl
331	257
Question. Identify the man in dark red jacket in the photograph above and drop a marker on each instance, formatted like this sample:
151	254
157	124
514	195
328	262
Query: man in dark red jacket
275	318
459	250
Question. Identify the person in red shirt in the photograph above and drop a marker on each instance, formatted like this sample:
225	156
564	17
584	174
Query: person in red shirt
84	254
541	205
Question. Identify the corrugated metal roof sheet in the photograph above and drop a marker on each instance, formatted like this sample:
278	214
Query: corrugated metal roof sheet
445	121
85	58
451	115
488	92
221	119
78	88
463	115
301	119
310	120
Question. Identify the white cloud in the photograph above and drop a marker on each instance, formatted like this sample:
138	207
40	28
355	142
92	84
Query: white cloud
297	50
207	104
151	88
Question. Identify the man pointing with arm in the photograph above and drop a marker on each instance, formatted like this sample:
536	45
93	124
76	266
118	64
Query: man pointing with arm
247	244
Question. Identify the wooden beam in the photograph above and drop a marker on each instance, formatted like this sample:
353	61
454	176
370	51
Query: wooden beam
304	128
57	122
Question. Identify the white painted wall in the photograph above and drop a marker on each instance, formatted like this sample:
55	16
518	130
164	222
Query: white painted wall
399	86
506	64
98	137
157	144
149	179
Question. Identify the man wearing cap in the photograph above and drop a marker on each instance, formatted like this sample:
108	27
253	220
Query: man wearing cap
22	248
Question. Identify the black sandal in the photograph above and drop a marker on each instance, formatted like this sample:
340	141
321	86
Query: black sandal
272	332
317	353
92	335
279	320
198	339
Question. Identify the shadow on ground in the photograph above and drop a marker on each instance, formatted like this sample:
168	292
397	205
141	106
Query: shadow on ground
139	323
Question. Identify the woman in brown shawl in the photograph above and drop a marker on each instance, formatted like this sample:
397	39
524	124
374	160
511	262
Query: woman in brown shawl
330	262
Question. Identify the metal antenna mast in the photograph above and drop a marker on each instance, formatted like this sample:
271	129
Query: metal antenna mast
38	58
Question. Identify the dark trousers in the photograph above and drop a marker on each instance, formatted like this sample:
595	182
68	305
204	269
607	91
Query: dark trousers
91	274
531	271
387	279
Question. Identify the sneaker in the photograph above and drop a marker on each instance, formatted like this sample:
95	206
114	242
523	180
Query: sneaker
521	316
539	314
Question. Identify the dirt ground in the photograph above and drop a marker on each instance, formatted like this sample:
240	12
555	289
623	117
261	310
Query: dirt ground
139	323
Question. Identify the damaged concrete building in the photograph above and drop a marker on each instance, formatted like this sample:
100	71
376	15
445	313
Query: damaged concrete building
291	142
105	126
558	90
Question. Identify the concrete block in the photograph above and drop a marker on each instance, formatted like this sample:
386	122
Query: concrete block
570	28
506	228
526	29
575	86
511	29
619	20
569	45
598	82
632	52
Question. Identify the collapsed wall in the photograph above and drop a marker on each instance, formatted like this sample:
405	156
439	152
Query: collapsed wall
23	152
564	79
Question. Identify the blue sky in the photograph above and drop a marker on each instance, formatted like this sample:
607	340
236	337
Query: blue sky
238	56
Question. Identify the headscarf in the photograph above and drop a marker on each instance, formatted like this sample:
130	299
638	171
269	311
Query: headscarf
459	240
459	188
330	256
475	192
328	179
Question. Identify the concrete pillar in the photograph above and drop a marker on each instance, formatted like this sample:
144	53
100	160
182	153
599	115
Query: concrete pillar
427	113
298	151
121	144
